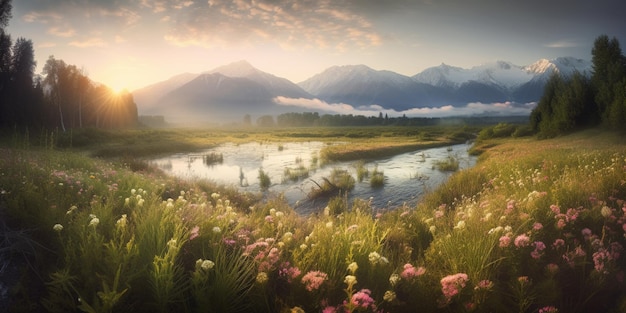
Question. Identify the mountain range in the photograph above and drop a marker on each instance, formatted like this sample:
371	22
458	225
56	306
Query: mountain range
229	92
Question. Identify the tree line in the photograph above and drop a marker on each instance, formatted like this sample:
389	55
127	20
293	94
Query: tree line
582	101
61	97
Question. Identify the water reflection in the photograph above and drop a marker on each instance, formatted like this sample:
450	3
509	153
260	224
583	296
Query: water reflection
407	176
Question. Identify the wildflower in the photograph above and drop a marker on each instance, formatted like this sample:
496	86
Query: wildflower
362	299
350	280
537	226
484	284
376	258
172	243
287	237
353	267
261	277
216	230
57	227
606	211
71	210
289	272
411	272
389	296
329	225
94	222
552	269
394	279
558	243
297	309
548	309
460	225
140	202
126	201
432	229
303	246
505	241
329	309
195	232
452	285
207	265
122	221
314	279
522	241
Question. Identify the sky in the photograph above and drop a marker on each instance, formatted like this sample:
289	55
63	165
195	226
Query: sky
129	44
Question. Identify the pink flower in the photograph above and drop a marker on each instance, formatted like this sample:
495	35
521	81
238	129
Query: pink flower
537	226
548	309
313	280
452	285
289	272
560	224
329	309
522	241
558	243
411	272
505	241
484	284
363	300
195	232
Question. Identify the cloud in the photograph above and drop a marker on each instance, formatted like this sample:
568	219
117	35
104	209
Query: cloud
322	24
561	44
475	108
91	42
65	32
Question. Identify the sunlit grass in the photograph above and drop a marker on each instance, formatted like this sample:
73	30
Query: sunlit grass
534	224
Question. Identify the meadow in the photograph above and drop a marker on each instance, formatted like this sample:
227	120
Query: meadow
535	226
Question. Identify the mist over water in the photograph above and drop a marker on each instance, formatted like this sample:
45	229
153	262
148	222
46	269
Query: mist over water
408	176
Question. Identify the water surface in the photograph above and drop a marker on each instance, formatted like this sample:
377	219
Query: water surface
408	176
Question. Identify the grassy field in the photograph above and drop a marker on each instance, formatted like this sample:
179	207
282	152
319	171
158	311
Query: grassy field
535	226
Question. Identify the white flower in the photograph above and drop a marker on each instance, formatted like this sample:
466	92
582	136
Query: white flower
329	225
133	191
94	222
57	227
394	279
215	195
207	265
122	221
353	267
172	244
350	280
140	202
303	246
374	257
280	214
432	229
389	296
460	225
217	230
606	211
261	277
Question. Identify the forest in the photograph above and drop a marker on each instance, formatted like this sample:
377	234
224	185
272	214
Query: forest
584	101
62	97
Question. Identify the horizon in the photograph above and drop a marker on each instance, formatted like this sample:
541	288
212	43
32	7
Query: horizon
130	44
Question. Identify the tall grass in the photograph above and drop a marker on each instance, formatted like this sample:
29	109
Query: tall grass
531	227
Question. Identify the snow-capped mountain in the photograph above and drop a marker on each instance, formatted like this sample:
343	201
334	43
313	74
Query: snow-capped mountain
229	92
360	85
276	85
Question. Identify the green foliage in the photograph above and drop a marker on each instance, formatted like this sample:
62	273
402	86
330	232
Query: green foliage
264	180
449	164
378	178
579	102
138	241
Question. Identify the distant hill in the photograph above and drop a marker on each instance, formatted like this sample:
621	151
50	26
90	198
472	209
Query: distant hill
229	92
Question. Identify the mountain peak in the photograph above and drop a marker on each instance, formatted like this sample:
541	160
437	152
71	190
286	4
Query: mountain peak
240	68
